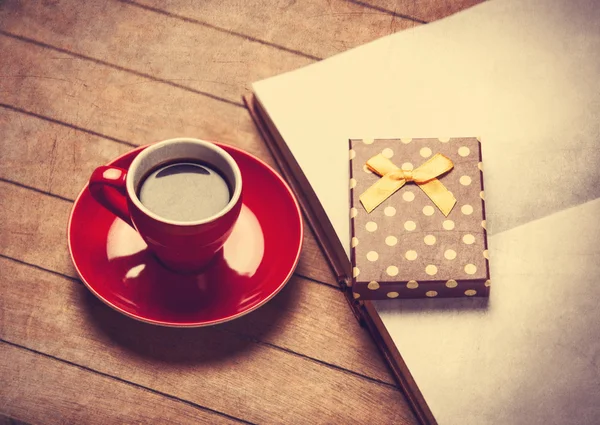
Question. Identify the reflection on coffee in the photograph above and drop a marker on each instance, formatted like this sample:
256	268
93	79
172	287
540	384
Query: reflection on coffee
186	190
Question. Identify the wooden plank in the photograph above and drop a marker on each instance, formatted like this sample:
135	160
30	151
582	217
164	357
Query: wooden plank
69	156
39	389
116	103
180	52
420	10
308	318
314	27
212	367
184	52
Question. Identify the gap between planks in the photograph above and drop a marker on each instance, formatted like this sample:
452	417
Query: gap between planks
124	381
220	29
71	201
120	68
239	334
386	11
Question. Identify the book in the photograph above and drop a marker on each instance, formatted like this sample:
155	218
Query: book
524	76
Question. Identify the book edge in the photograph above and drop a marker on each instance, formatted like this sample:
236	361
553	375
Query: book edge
364	311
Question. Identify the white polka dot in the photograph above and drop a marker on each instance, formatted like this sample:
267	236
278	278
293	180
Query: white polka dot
371	226
356	295
406	140
468	239
488	283
428	210
372	256
389	211
412	284
354	242
470	292
352	183
352	154
480	166
408	196
366	169
482	195
466	209
355	271
444	139
410	225
411	255
485	254
470	269
448	224
431	270
451	283
388	153
353	212
425	152
450	254
368	141
407	166
464	151
391	240
373	285
429	239
478	139
483	224
465	180
392	294
431	294
392	270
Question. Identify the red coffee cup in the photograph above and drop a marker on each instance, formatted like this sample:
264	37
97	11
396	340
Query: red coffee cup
185	246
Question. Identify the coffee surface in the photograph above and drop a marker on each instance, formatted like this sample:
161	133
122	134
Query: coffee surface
184	191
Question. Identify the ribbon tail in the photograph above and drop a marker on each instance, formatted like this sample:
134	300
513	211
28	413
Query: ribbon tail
439	195
379	192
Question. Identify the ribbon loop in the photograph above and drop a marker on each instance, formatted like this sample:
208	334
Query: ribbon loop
393	178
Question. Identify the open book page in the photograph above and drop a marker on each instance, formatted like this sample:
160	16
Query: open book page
522	75
531	355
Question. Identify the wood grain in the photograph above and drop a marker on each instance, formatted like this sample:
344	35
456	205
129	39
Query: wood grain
212	367
71	157
420	10
313	27
179	52
308	318
116	103
39	389
148	111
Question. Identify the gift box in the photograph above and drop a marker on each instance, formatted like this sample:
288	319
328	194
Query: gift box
418	218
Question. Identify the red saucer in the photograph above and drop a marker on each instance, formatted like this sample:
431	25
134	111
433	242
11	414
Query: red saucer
253	266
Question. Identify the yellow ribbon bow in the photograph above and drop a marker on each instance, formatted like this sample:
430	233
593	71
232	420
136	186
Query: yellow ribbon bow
393	178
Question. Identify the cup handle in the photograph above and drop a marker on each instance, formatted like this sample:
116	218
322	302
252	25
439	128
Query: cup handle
107	186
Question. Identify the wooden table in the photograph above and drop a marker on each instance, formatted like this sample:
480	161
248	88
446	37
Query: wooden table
83	82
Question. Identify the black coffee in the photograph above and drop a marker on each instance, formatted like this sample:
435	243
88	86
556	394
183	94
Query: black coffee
186	190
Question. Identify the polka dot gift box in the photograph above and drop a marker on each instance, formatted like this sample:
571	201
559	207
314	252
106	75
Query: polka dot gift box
417	218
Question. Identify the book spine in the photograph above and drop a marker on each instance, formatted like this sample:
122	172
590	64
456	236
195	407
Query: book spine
364	311
317	220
